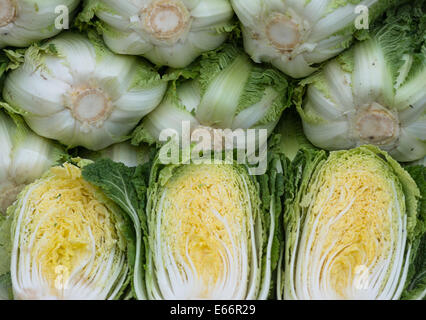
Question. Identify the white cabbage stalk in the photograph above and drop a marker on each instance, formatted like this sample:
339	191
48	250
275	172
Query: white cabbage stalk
351	227
296	35
373	94
67	241
123	152
230	92
76	91
23	22
167	32
24	157
208	237
421	162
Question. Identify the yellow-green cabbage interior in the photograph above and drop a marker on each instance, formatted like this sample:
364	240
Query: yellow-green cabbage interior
67	240
350	228
207	239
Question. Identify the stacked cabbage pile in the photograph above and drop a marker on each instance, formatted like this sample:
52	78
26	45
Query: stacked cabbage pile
90	209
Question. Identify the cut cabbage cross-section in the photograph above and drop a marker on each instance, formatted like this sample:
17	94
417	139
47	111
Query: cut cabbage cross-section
207	230
206	241
67	240
210	235
349	231
351	228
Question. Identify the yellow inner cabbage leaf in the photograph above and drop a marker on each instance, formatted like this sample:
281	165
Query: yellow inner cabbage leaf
204	220
68	228
353	213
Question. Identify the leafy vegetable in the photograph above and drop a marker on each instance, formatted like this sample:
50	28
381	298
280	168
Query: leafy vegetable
208	231
4	62
352	227
24	157
127	188
74	90
167	32
295	36
66	240
416	288
375	93
224	91
291	136
23	22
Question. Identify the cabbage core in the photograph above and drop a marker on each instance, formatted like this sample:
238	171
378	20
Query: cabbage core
7	12
377	125
282	32
166	20
90	106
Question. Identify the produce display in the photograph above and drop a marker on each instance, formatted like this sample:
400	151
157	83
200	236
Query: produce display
212	150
